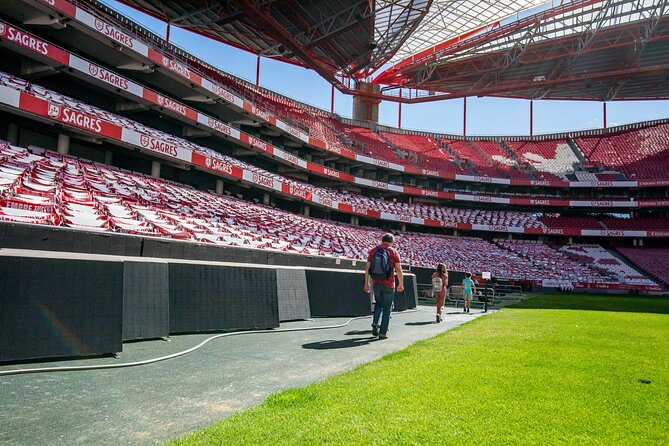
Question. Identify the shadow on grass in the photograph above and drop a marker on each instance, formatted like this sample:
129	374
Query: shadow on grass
596	302
344	343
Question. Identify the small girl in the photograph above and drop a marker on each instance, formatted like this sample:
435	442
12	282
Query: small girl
439	287
468	289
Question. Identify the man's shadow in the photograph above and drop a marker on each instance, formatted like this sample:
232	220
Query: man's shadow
332	344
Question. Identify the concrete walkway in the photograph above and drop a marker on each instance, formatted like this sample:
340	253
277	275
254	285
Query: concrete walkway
150	404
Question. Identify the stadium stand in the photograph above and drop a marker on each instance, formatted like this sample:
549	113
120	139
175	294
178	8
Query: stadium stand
598	257
549	259
639	153
635	224
441	213
53	189
651	260
550	159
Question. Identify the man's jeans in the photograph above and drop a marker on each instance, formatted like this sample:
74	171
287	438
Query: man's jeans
384	297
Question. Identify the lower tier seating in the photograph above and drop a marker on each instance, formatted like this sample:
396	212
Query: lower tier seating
598	257
45	188
652	260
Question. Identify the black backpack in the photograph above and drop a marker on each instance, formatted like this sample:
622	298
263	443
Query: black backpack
380	267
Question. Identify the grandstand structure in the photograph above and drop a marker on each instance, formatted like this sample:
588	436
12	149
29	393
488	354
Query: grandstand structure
108	128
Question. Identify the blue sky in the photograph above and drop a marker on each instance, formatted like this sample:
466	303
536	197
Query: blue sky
485	116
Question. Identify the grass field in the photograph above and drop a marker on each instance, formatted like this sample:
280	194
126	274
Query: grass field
557	369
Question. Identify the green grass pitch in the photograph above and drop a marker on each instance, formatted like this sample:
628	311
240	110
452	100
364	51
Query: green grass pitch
556	369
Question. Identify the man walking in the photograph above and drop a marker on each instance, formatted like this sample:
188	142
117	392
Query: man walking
383	263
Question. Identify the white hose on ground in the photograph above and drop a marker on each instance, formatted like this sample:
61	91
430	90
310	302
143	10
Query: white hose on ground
177	354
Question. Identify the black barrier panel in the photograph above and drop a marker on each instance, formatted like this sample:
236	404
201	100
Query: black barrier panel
156	248
23	236
423	275
146	300
400	301
293	295
214	298
3	234
100	243
337	293
16	236
133	245
410	291
117	247
455	278
59	308
61	240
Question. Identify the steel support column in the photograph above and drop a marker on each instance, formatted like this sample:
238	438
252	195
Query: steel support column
399	112
531	117
258	70
604	112
464	117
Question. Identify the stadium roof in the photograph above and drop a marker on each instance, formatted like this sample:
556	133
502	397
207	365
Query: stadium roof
354	36
448	19
578	49
584	49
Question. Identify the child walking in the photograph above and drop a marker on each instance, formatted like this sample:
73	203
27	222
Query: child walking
468	290
439	287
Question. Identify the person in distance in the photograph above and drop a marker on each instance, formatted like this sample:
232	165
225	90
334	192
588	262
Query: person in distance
383	263
439	288
468	290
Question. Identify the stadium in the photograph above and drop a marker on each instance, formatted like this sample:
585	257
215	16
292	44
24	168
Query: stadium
146	193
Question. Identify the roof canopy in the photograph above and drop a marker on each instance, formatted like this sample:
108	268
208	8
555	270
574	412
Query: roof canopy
614	49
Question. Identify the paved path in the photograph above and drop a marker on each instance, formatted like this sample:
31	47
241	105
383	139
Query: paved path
150	404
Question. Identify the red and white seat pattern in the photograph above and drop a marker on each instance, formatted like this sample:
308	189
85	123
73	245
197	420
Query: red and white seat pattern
552	264
566	221
637	223
639	153
552	156
59	190
602	259
652	260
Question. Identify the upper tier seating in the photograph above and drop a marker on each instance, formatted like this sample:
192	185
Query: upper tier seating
486	158
372	144
651	260
598	257
566	221
429	153
552	156
642	154
636	224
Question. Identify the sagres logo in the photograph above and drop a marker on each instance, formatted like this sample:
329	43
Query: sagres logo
55	110
166	61
99	24
93	69
161	100
218	126
3	29
207	162
144	140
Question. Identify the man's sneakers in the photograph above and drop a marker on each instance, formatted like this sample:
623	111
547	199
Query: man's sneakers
375	330
382	336
439	318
